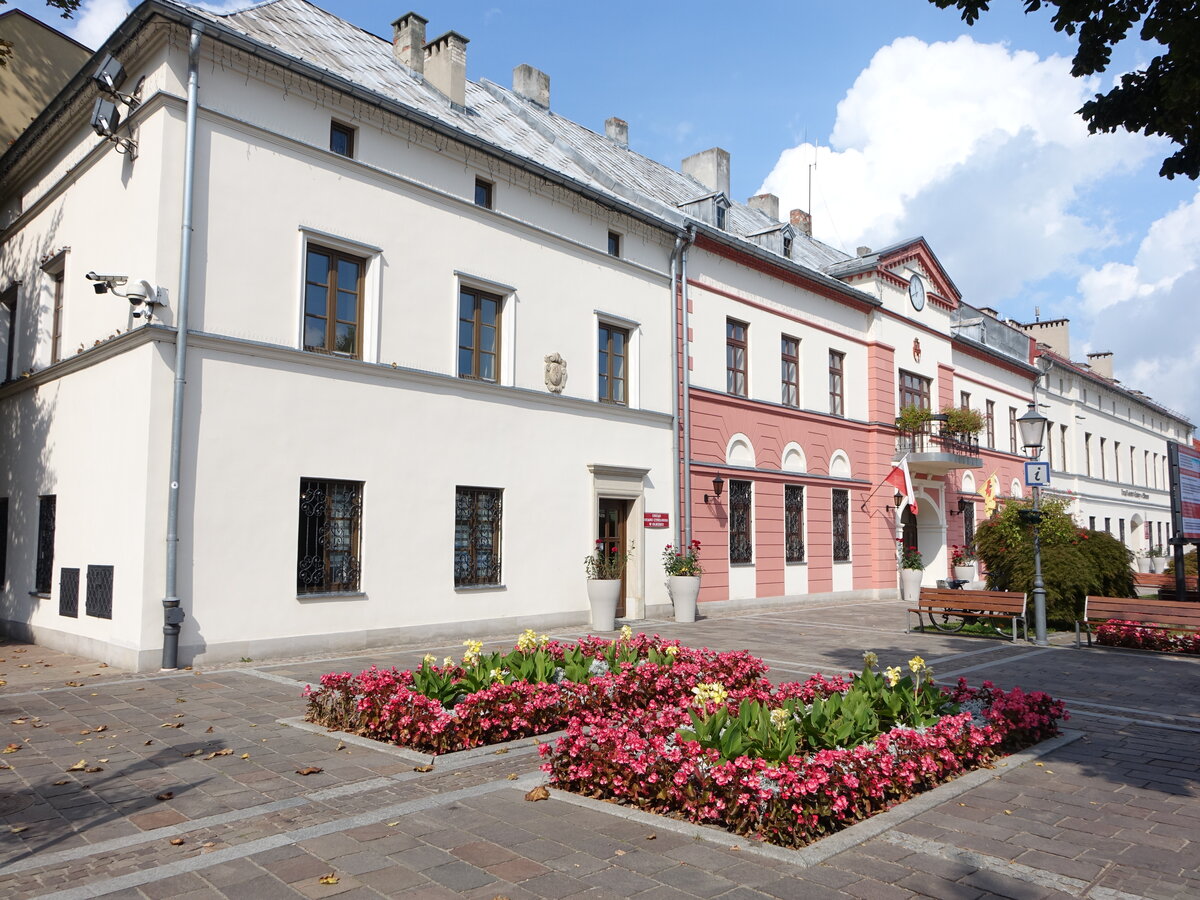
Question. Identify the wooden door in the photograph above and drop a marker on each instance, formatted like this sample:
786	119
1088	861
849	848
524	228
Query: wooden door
611	530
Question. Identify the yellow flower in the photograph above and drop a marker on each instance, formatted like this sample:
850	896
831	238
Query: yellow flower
495	674
429	659
712	692
474	648
916	664
447	662
870	660
672	651
543	640
779	718
892	675
626	632
527	641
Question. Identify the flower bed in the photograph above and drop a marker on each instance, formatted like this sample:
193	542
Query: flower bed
1119	633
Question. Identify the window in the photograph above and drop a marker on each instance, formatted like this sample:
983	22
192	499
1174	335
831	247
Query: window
56	327
789	370
477	515
1062	447
613	366
837	404
1146	467
44	573
841	524
9	301
1012	430
793	523
1103	465
914	390
478	335
741	538
990	421
341	139
1121	530
1091	523
735	357
614	244
3	542
1087	454
720	215
1117	461
483	193
1050	444
333	302
964	400
969	524
1108	524
327	554
787	246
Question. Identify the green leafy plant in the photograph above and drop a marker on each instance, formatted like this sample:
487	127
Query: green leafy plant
910	558
606	561
685	561
963	555
962	420
913	419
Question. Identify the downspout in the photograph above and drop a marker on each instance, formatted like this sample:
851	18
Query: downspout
172	614
676	528
685	413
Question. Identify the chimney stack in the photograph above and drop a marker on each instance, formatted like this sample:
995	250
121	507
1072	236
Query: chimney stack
617	131
1054	333
801	221
532	84
1101	364
446	66
408	41
710	168
767	203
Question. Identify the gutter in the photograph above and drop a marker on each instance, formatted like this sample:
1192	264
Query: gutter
686	412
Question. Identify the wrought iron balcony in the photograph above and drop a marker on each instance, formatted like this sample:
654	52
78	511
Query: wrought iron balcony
936	450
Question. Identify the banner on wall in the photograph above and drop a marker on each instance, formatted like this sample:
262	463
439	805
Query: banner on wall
990	492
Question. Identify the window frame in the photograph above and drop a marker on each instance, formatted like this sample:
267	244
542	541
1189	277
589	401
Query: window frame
841	546
1013	444
43	574
990	421
741	522
604	353
307	586
350	133
57	289
734	344
485	193
793	523
792	360
614	244
837	383
10	299
479	295
494	578
914	390
332	289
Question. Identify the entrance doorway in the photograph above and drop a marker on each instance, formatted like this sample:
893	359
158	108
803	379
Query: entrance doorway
611	530
909	536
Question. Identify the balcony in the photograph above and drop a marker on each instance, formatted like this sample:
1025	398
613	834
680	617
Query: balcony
935	450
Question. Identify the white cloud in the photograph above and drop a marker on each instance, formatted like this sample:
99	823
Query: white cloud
98	19
973	145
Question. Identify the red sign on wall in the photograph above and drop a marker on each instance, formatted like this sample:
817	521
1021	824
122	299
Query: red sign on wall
656	520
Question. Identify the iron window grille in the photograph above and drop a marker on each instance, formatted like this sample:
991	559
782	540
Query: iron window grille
333	302
741	542
9	301
789	370
735	357
478	335
3	542
44	572
477	516
99	591
969	524
330	535
841	524
793	522
837	404
612	365
68	593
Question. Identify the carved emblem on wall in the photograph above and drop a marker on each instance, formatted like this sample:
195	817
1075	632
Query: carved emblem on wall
556	373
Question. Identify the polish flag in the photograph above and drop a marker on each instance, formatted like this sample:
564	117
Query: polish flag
902	481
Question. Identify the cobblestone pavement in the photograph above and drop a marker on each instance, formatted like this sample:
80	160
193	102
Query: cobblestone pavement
187	786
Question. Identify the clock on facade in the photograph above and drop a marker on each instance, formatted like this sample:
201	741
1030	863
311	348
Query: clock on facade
916	292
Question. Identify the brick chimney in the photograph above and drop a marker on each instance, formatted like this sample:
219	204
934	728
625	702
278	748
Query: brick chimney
767	203
408	41
446	66
801	221
710	168
617	131
1101	364
532	84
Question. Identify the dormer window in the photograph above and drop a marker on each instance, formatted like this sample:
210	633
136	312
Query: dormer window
787	246
720	217
710	208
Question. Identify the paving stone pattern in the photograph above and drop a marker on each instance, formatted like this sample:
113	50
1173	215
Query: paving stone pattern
161	815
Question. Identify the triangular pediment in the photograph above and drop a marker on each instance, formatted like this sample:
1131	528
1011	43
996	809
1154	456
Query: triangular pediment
917	257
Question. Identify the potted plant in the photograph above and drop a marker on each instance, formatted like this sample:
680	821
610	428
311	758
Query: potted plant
1154	554
912	570
913	419
604	567
963	421
963	560
683	578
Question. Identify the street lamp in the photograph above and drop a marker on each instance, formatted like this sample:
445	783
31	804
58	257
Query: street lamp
1033	433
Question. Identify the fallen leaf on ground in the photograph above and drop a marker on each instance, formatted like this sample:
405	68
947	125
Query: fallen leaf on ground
340	745
328	879
171	725
208	845
1008	812
23	666
100	728
148	743
12	748
73	683
538	793
4	766
422	768
652	837
511	776
165	795
620	853
85	731
79	766
3	683
177	716
102	666
195	752
17	829
735	847
309	770
217	753
501	751
61	783
91	770
175	842
180	700
104	760
392	824
20	721
245	756
35	724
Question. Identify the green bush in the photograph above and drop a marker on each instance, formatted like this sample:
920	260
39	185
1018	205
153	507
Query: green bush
1189	562
1075	562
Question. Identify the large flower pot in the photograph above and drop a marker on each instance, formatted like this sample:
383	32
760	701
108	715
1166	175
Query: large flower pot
1156	565
910	584
684	591
965	573
603	594
1145	565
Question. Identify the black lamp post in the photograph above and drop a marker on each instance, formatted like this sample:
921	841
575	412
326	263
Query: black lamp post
1033	433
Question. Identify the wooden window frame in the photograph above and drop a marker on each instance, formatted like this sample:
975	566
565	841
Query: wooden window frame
477	331
337	128
485	193
57	284
1013	444
990	420
332	289
605	380
466	505
734	344
614	244
789	370
915	390
837	383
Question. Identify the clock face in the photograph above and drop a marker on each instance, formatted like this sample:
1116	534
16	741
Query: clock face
916	292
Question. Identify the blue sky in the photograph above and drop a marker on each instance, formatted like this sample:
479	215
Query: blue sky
918	124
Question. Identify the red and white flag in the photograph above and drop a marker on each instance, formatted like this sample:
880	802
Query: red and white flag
902	481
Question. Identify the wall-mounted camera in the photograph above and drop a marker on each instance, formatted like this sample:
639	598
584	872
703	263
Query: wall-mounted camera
106	116
143	297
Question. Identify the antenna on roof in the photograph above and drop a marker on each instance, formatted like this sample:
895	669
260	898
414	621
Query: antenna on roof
812	165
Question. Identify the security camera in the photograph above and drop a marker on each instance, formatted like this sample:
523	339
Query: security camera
110	280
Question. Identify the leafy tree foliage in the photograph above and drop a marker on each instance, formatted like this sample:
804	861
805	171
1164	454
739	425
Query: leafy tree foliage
67	7
1162	97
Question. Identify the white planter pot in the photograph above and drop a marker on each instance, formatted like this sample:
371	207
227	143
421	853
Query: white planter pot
910	584
603	595
684	591
965	573
1145	565
1156	565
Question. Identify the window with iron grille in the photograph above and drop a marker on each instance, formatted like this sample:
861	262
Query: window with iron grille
4	543
328	559
477	518
614	343
914	390
793	522
841	524
99	592
333	302
478	335
991	424
741	539
837	362
68	593
9	301
44	573
789	370
735	357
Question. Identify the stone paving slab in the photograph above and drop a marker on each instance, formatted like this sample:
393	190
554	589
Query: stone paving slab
1112	815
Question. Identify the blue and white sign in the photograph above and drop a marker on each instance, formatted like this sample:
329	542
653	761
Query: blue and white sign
1037	474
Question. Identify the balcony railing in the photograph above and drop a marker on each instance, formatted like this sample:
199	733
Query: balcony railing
935	438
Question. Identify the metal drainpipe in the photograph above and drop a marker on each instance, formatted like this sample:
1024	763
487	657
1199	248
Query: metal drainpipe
685	413
172	614
676	532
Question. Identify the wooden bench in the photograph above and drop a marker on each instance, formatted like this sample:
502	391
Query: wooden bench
1143	612
1168	594
993	605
